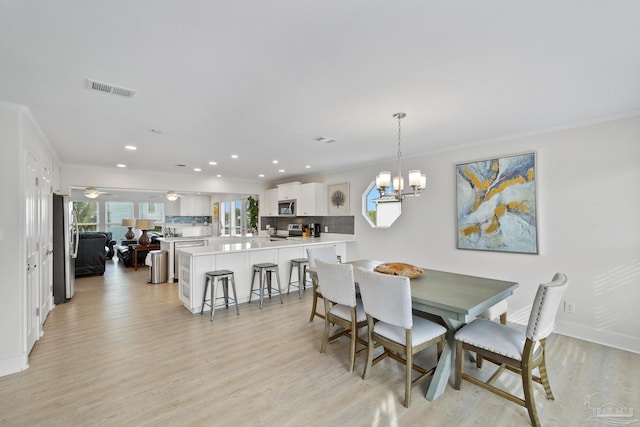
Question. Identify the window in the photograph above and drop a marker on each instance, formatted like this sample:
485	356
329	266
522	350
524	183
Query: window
379	214
152	210
233	217
115	213
87	215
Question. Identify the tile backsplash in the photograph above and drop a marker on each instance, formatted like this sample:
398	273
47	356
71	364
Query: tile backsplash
194	220
335	224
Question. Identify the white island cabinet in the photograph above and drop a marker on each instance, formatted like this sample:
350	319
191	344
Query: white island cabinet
195	262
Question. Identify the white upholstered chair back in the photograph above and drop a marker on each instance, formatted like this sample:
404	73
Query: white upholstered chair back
338	284
386	297
325	253
545	307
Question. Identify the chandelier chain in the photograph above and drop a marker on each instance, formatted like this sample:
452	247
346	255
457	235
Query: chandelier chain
400	116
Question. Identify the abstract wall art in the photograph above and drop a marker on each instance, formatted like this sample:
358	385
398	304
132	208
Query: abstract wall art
496	201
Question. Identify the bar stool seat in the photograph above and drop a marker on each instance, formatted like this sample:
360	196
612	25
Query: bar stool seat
265	270
214	278
301	283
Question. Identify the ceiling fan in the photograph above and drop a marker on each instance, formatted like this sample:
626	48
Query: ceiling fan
172	196
92	192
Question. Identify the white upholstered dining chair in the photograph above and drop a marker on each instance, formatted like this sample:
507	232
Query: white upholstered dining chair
325	253
341	307
512	349
391	323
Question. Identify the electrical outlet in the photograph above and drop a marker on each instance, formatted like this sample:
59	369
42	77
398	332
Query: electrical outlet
570	307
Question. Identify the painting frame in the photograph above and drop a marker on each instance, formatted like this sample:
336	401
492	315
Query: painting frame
338	199
496	204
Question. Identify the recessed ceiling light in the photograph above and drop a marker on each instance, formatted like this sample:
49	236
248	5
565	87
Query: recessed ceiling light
130	147
275	162
308	166
213	163
261	175
120	165
281	170
197	169
234	156
219	176
324	139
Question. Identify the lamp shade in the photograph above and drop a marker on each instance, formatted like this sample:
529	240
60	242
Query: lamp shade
129	222
383	179
145	224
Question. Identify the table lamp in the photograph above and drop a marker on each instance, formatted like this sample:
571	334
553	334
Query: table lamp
144	225
129	223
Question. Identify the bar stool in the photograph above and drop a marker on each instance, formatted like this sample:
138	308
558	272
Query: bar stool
301	264
265	269
221	276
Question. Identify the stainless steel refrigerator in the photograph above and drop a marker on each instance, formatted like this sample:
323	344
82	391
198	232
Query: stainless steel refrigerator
65	249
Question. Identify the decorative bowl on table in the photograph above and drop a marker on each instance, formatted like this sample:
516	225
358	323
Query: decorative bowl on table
399	269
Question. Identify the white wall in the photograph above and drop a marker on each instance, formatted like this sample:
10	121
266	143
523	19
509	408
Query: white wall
19	134
12	248
588	204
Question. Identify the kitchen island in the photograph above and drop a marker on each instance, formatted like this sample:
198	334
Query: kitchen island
171	244
195	262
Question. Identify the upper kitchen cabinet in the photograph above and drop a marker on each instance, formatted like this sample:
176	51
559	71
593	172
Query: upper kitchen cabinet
269	205
290	191
195	205
312	199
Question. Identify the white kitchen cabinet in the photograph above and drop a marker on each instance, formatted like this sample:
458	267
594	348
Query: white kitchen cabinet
288	191
312	200
195	205
269	205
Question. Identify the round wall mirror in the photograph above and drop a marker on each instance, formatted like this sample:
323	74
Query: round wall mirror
379	215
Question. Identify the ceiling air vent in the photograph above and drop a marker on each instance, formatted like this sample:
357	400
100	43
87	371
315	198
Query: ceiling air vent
106	87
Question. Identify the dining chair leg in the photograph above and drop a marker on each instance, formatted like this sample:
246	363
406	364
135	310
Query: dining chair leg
354	337
407	379
370	347
542	368
327	326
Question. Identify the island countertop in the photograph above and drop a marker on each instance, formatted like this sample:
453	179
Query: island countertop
219	248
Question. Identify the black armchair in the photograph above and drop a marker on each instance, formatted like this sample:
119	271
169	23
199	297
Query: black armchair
91	254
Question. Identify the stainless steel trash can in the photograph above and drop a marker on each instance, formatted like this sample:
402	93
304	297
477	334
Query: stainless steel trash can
158	270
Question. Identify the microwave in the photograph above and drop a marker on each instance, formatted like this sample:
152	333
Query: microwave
287	208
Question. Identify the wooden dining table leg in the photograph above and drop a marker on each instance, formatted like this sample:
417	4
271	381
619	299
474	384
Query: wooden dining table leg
446	362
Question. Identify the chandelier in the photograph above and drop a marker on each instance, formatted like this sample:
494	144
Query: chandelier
417	180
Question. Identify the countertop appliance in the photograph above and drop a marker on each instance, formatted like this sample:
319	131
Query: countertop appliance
65	249
314	229
287	207
295	230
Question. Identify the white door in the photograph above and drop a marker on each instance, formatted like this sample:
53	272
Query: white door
46	243
33	253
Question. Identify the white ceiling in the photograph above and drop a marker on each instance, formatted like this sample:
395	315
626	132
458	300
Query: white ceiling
263	78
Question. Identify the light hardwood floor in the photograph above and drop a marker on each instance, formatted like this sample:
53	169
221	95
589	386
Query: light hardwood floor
127	353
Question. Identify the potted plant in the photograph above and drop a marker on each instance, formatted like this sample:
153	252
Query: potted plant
253	210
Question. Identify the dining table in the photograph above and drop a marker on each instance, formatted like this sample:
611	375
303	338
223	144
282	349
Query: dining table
456	299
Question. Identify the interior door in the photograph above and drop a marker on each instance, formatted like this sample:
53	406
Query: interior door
46	243
33	253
